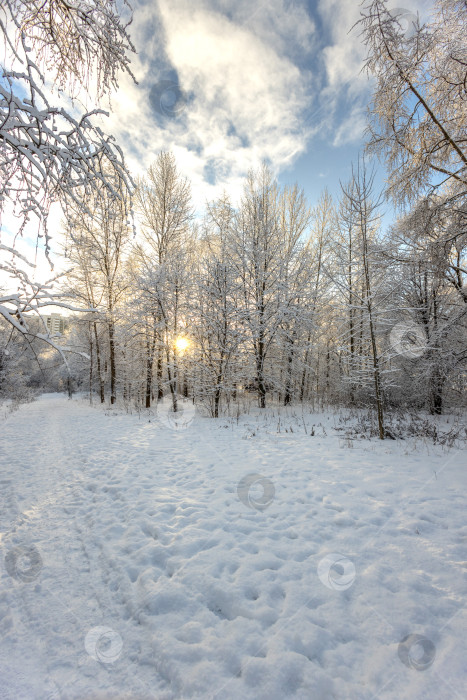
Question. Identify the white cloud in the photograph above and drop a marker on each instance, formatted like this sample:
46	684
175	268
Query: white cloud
237	62
245	93
351	129
343	59
345	55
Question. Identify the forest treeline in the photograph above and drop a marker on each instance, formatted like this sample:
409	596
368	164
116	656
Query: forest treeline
275	298
268	296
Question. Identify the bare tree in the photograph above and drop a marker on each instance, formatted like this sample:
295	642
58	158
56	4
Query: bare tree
293	283
214	311
256	253
46	154
418	116
98	244
163	202
83	286
322	225
361	212
430	293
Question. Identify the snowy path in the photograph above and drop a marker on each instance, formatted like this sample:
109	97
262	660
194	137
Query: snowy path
140	530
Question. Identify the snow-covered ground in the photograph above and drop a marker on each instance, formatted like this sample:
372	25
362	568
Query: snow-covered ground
216	559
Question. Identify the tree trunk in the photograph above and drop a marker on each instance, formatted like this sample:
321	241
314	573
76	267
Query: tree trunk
351	323
217	398
160	374
148	379
305	365
172	377
91	352
99	367
150	351
328	371
260	374
288	381
376	370
436	401
113	368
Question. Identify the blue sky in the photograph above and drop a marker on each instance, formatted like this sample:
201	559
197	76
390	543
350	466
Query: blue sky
228	83
225	84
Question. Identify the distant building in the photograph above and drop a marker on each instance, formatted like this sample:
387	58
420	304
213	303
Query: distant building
56	323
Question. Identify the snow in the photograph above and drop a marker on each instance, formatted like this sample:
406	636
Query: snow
141	558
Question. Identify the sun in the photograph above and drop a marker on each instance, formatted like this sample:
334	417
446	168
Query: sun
182	343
